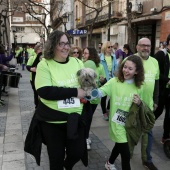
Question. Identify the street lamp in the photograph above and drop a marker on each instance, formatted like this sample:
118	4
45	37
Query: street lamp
65	20
109	18
49	29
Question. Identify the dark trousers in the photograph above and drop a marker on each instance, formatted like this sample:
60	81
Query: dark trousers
123	150
35	94
164	102
103	104
55	137
89	111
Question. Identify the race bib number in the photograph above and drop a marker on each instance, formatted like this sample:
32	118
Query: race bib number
120	117
68	103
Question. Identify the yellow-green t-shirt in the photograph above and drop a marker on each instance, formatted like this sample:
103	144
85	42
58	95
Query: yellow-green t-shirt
151	69
52	73
30	62
109	62
121	97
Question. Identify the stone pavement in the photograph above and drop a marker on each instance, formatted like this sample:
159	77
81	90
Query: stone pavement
15	118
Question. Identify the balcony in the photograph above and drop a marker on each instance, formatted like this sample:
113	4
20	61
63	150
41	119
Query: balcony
90	15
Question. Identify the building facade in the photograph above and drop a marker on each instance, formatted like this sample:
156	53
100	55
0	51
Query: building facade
123	20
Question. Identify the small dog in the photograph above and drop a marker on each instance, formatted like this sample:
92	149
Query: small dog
86	79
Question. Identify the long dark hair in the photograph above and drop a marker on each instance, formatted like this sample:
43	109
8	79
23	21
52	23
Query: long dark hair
52	42
93	55
139	78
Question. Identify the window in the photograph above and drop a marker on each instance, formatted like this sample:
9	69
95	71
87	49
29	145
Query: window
20	29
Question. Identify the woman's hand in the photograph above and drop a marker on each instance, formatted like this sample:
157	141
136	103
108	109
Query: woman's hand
33	69
81	93
136	99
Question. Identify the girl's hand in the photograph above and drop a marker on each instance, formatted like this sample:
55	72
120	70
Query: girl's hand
136	99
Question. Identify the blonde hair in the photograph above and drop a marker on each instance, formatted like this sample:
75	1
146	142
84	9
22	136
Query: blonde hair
105	45
79	50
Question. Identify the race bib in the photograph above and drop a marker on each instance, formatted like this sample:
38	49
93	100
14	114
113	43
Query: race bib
120	117
68	103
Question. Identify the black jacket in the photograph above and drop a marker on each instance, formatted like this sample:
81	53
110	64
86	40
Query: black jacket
75	128
164	65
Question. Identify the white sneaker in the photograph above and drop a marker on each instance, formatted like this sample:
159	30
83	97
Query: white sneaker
88	145
89	140
109	166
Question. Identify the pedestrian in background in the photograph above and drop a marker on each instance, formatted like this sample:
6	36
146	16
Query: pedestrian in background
108	60
76	52
118	52
92	60
126	51
163	58
59	110
32	66
122	90
100	47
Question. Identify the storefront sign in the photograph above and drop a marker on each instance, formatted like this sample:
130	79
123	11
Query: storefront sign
77	32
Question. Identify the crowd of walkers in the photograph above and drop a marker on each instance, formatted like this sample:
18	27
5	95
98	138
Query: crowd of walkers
127	82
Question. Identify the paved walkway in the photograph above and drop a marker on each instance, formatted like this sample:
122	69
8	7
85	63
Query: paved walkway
16	115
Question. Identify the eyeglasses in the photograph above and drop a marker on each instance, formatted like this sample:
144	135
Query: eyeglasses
85	53
144	45
110	47
75	52
63	44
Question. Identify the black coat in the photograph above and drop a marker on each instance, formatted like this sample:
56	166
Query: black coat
75	128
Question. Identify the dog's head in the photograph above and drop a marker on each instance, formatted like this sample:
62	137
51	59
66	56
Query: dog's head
86	78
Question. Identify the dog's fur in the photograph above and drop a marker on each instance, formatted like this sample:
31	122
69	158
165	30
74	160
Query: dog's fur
86	79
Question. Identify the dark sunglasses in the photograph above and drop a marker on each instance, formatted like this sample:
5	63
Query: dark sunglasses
75	52
110	47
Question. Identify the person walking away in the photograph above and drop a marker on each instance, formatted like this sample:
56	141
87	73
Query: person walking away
31	66
59	113
163	58
92	60
108	60
123	90
150	95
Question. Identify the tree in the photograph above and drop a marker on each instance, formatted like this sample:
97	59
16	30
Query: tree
41	11
91	25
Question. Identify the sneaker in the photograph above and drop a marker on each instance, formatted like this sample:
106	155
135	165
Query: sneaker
88	144
163	140
105	117
110	166
89	140
150	166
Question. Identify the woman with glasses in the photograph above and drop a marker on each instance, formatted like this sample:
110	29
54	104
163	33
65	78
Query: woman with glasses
59	113
76	52
31	66
109	62
92	60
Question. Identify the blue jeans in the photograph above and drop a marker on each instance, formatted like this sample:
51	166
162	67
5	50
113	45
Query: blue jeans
146	147
149	147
